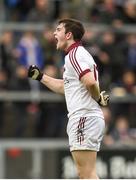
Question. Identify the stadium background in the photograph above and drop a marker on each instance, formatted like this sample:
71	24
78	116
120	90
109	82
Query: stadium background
33	140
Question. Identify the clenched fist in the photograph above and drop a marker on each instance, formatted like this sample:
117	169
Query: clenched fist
35	73
104	99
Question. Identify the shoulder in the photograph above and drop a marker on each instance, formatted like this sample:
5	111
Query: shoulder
83	53
81	50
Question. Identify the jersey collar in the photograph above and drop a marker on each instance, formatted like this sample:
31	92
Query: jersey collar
76	44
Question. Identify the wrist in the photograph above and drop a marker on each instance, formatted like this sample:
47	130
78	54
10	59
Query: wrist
40	77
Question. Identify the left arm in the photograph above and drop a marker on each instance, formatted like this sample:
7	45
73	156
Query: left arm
88	75
91	85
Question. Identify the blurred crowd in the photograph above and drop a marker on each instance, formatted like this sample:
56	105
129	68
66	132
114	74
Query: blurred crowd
113	50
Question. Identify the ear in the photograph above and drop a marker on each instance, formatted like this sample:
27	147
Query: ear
68	35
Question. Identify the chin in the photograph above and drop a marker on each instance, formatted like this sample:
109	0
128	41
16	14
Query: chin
59	48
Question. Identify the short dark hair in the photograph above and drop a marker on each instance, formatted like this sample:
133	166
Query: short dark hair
74	26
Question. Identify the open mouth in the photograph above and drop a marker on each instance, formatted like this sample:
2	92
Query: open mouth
56	40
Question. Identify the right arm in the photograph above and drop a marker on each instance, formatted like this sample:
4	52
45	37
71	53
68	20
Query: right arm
56	85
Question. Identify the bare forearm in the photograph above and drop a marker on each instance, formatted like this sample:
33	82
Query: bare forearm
95	91
56	85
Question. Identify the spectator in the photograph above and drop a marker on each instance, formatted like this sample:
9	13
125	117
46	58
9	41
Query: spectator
3	87
52	119
109	57
29	51
105	12
16	10
47	42
20	83
2	12
94	11
121	133
120	3
6	66
23	111
6	53
126	85
42	12
130	12
11	10
131	52
108	119
129	82
68	9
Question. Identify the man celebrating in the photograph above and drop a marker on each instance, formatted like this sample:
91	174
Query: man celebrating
80	86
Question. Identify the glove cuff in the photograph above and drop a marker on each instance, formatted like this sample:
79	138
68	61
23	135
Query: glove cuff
40	76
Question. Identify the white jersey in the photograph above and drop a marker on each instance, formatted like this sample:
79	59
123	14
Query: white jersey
78	62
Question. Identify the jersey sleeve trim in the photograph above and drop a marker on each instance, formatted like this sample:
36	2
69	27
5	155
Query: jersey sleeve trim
83	73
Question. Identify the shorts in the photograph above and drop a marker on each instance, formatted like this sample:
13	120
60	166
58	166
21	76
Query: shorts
86	133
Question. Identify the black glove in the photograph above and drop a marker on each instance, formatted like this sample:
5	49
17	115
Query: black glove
35	73
104	99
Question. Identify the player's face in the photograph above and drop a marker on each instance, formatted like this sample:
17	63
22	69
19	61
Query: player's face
60	36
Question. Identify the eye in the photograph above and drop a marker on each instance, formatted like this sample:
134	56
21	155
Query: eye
58	29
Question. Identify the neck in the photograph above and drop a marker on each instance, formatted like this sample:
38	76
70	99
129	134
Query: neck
73	45
69	43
